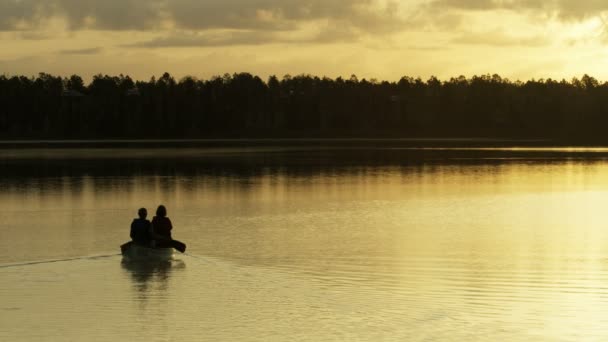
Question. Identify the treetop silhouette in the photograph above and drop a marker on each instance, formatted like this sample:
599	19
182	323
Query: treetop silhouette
242	105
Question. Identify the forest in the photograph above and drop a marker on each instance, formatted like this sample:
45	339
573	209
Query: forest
243	105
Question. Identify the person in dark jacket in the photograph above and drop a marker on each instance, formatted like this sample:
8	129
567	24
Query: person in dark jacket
141	229
161	228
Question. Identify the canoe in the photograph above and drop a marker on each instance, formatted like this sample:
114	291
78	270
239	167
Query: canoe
137	252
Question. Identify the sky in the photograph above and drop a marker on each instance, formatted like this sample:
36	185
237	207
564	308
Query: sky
373	39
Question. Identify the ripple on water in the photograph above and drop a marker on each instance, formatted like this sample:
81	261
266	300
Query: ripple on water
212	299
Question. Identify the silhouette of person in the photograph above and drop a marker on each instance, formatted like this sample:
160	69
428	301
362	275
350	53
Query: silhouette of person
141	228
161	228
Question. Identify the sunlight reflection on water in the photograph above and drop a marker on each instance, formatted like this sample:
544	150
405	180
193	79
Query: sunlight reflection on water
308	246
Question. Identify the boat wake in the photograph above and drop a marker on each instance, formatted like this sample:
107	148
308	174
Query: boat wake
89	257
29	263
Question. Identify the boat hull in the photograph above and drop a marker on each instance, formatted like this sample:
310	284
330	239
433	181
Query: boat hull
136	252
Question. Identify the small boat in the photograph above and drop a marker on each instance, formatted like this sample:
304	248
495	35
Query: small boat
132	251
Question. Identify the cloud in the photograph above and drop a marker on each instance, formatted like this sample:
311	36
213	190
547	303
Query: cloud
566	10
479	5
30	35
500	38
107	14
208	39
576	10
86	51
278	15
273	15
16	15
211	38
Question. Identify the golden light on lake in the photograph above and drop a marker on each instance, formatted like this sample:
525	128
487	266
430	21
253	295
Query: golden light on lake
303	170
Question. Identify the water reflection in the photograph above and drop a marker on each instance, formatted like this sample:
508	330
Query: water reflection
417	243
151	276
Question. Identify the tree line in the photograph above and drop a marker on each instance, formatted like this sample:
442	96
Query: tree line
242	105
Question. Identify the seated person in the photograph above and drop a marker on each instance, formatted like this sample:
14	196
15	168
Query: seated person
161	228
141	228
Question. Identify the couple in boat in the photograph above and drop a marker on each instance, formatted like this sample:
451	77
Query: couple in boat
152	234
155	234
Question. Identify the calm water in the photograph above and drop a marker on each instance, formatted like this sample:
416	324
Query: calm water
314	244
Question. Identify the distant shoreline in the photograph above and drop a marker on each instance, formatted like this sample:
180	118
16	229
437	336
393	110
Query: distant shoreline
345	142
242	109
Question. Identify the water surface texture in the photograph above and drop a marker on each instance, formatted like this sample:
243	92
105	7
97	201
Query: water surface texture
310	244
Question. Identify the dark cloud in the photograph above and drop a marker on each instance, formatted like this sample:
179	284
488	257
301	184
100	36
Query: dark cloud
279	15
87	51
31	35
106	14
562	9
16	14
574	10
213	38
208	39
468	4
109	14
274	15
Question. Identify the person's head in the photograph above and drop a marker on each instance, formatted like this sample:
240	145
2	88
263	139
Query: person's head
142	212
161	211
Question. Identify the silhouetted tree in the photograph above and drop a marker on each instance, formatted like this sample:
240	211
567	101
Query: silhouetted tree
243	105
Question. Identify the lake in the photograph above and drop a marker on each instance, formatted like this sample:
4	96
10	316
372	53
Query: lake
307	243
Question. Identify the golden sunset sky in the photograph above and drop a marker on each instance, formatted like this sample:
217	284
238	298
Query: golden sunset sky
518	39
